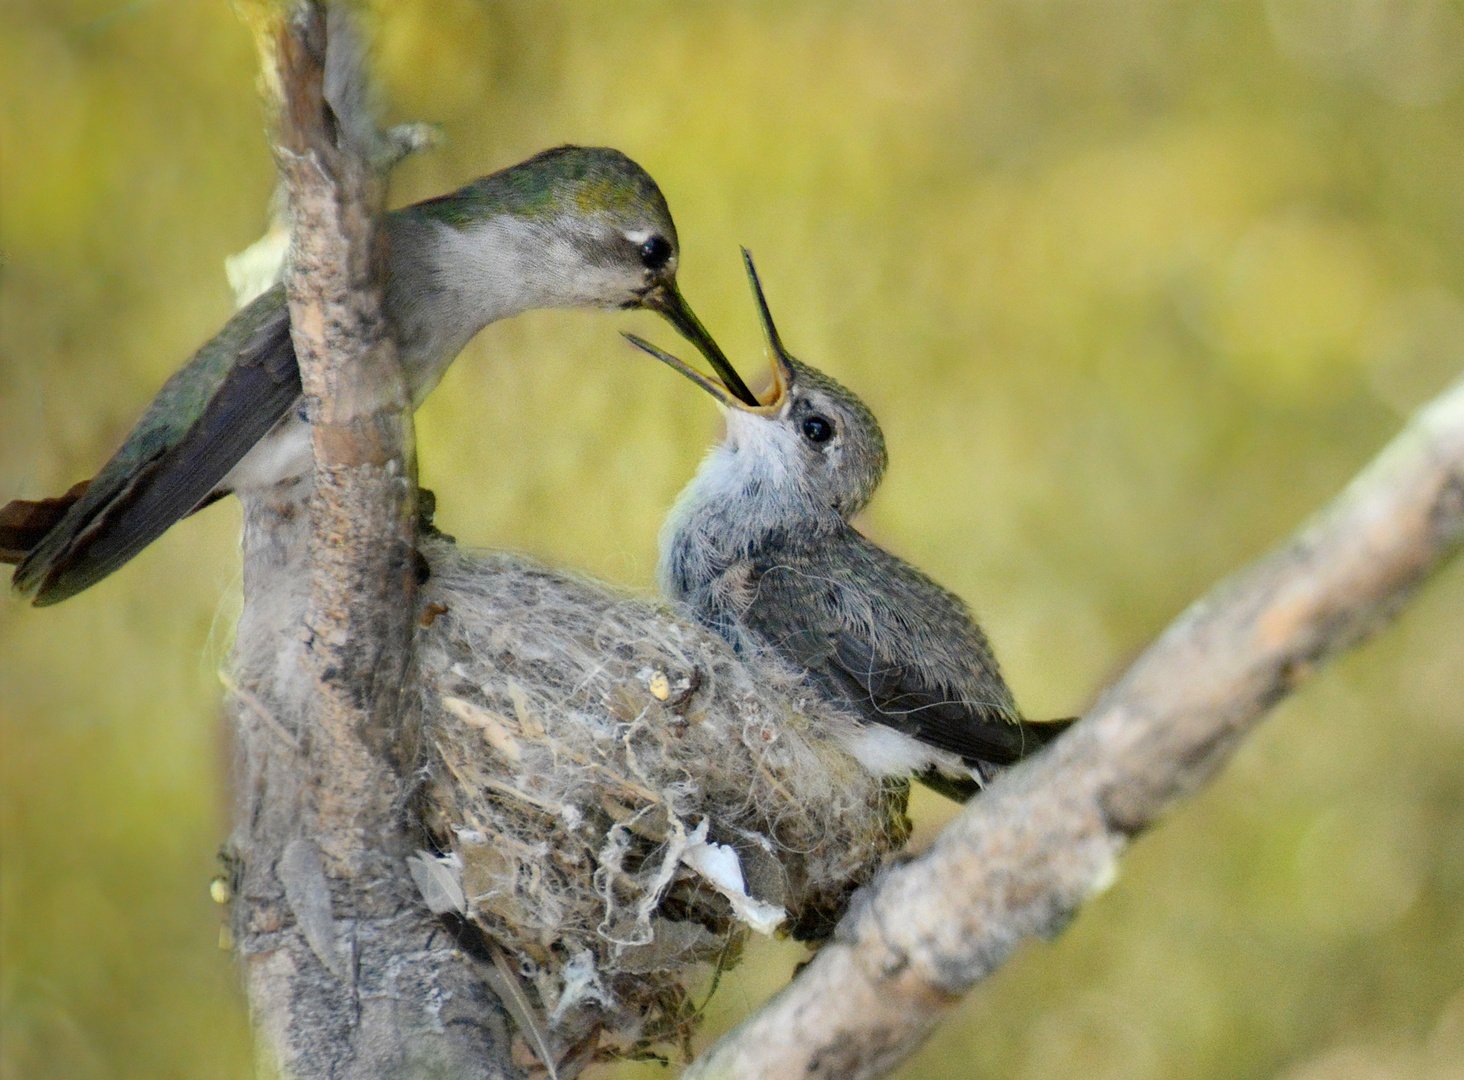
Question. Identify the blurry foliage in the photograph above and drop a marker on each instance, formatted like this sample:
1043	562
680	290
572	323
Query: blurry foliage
1133	286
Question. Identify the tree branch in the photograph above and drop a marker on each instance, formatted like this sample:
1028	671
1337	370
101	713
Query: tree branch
360	610
1042	839
345	973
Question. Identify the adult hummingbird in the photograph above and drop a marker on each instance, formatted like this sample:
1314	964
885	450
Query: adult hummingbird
759	547
570	227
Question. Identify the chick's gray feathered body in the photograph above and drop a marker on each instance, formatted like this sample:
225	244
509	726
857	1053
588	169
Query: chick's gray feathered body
759	547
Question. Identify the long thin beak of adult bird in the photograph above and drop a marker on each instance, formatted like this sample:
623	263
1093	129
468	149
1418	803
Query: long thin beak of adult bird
666	299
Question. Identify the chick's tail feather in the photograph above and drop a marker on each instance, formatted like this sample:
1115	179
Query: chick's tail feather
1047	730
962	789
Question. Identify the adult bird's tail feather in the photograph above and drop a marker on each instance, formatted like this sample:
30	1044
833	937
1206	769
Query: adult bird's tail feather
25	523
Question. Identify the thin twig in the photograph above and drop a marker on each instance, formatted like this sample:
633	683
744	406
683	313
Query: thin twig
254	705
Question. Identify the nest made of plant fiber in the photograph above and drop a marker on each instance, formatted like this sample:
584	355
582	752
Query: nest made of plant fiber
602	776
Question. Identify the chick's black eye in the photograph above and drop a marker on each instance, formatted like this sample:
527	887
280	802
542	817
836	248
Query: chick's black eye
655	252
817	430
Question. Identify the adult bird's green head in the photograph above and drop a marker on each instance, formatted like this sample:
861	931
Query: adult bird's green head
571	227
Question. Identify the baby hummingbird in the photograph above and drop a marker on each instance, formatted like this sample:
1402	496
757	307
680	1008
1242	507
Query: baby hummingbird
759	547
571	227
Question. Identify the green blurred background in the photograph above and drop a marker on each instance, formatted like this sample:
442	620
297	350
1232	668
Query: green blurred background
1133	287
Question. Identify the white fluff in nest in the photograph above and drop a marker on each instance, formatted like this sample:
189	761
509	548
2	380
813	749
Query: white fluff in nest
721	867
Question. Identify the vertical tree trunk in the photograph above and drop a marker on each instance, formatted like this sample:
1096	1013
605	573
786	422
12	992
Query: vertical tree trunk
347	973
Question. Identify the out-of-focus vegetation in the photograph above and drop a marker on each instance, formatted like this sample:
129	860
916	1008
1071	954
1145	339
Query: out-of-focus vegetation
1133	286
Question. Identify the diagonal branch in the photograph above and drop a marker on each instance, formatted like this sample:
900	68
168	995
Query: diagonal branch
1024	857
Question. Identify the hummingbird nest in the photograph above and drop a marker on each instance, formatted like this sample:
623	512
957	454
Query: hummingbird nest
617	800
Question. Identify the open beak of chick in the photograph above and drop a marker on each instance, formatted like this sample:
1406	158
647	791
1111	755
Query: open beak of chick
728	389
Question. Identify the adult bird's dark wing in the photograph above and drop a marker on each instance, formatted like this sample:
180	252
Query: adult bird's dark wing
901	649
203	421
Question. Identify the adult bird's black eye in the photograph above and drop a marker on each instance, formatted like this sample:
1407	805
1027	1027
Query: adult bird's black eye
817	430
655	252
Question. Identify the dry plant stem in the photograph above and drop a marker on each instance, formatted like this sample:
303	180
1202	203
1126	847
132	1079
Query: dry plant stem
1020	861
343	974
